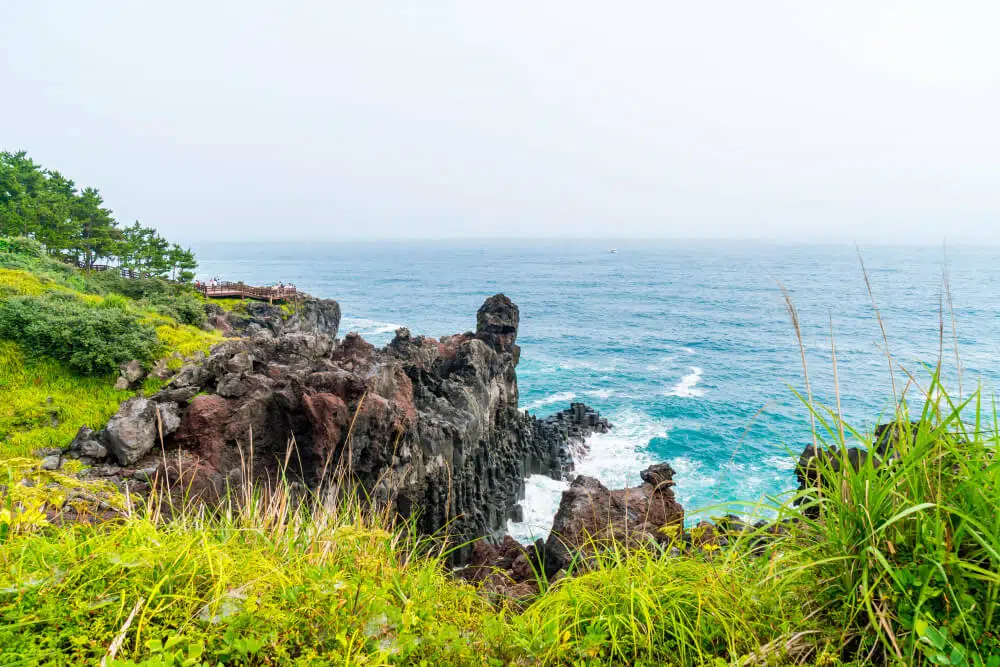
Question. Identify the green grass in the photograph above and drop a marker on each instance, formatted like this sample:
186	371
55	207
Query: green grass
909	555
230	305
900	567
650	608
239	306
265	585
43	404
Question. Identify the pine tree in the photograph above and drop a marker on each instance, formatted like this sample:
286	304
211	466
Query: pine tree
98	234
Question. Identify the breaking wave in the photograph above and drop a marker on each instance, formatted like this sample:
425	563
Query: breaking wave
688	385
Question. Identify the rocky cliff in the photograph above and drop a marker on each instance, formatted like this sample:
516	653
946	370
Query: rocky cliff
431	425
305	314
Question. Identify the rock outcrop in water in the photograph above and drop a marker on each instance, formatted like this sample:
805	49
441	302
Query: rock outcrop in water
431	425
590	518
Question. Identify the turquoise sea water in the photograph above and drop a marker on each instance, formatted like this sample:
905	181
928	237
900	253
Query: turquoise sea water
686	347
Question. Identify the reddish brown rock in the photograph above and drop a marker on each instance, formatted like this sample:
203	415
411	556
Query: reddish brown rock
327	413
591	516
204	426
432	427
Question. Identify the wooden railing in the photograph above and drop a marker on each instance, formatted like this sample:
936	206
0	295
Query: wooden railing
228	290
218	290
123	271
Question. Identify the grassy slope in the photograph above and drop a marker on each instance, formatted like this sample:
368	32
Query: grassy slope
904	565
43	403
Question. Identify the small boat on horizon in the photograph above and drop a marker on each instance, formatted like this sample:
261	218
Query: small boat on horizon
613	250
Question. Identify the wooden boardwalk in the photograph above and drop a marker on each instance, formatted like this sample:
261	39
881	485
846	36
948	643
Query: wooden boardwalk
220	290
228	290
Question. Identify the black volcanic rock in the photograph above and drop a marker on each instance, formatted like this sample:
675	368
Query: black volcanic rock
305	314
812	461
432	426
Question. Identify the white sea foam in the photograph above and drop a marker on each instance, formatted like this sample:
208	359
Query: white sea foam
781	462
541	502
600	393
365	326
559	397
705	490
688	385
662	364
615	458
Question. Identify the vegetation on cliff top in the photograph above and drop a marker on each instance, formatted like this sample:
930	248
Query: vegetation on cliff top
63	335
901	567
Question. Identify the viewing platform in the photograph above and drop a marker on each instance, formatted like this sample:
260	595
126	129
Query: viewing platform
228	290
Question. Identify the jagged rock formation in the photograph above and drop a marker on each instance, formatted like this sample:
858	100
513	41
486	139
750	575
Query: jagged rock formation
590	514
590	518
432	426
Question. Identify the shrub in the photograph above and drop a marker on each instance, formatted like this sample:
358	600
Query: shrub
20	245
156	295
90	340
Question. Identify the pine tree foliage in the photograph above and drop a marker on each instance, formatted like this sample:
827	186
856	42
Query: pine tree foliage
75	225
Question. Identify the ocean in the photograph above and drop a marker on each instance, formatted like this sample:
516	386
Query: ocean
687	347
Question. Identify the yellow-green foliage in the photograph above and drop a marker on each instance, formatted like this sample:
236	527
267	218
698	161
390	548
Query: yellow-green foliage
186	341
43	404
32	496
287	308
239	590
229	305
17	283
21	282
650	608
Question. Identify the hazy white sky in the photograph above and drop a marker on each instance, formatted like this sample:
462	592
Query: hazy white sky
873	121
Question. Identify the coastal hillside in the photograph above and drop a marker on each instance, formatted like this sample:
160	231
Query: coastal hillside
898	565
192	480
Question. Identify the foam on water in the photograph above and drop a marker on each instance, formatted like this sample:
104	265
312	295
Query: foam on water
688	385
615	458
365	326
559	397
541	501
744	488
600	393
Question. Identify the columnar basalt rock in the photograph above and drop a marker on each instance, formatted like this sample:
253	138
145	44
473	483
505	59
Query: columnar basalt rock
432	426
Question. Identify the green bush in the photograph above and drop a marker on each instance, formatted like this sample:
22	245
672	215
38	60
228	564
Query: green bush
45	267
89	339
185	308
20	245
155	294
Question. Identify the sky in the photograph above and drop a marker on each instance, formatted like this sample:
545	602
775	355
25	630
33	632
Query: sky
848	121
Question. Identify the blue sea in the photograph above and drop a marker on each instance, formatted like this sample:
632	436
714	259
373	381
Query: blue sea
687	347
